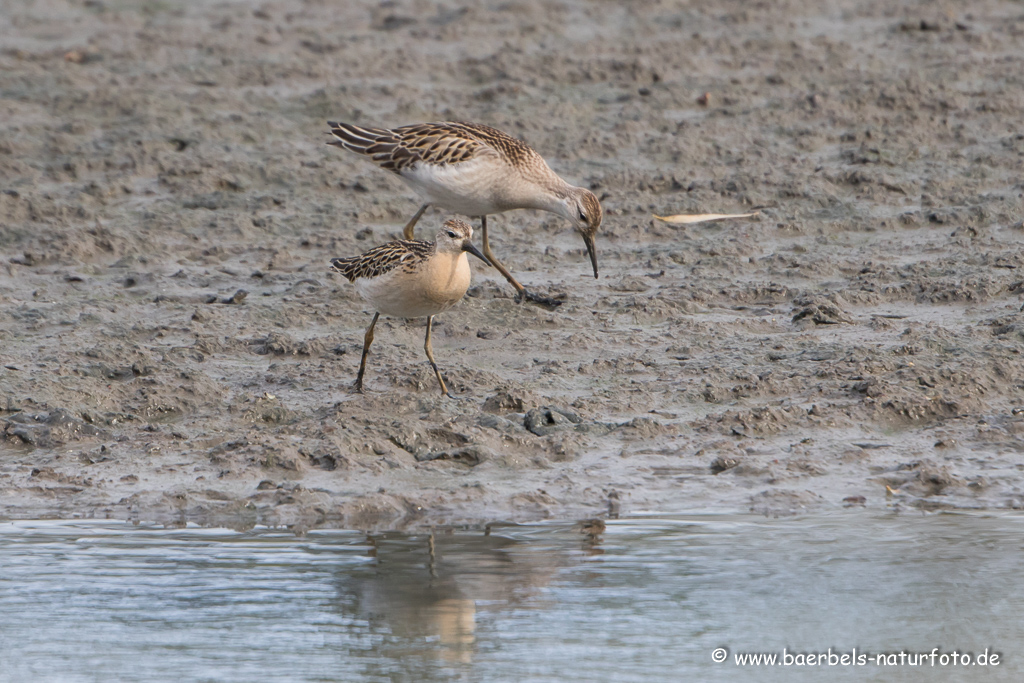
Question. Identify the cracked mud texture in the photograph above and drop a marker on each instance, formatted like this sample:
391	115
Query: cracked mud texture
174	348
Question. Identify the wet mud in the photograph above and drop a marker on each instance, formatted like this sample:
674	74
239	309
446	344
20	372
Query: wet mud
173	347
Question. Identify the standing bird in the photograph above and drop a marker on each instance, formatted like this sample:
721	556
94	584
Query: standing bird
411	279
475	170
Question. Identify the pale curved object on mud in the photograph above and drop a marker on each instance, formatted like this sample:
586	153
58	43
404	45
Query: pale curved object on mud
687	218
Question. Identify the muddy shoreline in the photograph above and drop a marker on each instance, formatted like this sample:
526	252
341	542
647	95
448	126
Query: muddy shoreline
172	346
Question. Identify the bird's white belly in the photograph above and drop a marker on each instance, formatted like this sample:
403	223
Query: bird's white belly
470	188
435	287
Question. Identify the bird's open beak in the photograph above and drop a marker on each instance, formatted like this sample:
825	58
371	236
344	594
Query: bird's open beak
468	246
589	241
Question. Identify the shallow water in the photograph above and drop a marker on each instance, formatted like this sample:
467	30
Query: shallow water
646	599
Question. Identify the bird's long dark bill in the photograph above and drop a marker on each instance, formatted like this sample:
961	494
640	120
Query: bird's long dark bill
468	246
589	241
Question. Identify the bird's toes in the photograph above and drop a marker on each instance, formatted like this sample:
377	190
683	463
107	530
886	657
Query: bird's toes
550	303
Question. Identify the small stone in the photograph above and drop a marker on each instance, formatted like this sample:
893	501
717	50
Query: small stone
547	420
723	463
236	298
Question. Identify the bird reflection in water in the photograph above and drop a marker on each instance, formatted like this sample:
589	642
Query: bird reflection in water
425	597
592	530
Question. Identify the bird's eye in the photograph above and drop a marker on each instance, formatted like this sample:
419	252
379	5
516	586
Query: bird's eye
452	235
583	216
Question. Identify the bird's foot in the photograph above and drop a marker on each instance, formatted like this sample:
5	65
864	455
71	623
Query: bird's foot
548	302
356	387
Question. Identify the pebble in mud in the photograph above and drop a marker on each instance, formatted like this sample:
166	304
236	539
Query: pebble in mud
547	420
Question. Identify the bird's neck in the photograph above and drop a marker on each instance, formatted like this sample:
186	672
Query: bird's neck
448	261
553	199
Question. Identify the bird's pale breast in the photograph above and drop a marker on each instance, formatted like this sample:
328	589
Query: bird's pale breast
434	286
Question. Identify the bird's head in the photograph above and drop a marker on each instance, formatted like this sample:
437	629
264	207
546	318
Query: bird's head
584	210
456	236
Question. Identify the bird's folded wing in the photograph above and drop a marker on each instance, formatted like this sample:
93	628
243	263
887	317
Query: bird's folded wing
383	259
438	144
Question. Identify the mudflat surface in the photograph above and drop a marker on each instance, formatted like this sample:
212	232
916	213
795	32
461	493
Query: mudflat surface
858	343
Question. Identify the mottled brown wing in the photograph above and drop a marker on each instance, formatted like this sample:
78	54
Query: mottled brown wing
385	258
440	144
515	151
383	146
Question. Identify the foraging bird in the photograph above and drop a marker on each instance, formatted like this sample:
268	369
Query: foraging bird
411	279
475	170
